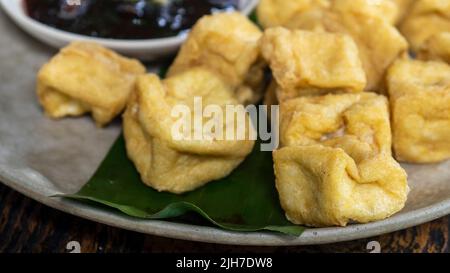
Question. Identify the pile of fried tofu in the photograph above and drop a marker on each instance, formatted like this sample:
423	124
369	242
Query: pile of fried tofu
354	79
361	84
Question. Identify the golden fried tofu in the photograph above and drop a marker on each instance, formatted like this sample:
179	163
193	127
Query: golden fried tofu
305	62
426	19
326	119
379	42
380	9
324	186
86	77
437	48
226	43
274	13
167	162
420	101
311	19
336	164
404	6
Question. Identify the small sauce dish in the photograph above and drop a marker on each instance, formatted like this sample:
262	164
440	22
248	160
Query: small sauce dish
144	49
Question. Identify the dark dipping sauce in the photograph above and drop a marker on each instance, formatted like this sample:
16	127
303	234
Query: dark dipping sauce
139	19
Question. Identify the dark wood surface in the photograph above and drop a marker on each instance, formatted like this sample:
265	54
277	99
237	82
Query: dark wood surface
27	226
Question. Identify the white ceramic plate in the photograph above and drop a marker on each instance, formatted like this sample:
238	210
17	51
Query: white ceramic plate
141	49
40	157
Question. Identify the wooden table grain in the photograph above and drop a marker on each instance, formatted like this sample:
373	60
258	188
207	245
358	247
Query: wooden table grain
27	226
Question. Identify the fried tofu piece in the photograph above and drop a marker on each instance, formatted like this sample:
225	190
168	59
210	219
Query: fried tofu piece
380	9
305	62
86	77
426	19
226	43
336	164
326	119
404	7
312	20
379	42
274	13
437	48
166	162
322	186
420	101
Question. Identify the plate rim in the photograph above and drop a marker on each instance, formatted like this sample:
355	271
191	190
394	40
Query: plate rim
216	235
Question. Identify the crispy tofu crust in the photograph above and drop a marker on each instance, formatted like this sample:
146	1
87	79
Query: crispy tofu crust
381	9
274	13
335	165
437	48
227	44
326	119
178	166
85	77
426	19
324	186
420	101
404	7
379	42
305	62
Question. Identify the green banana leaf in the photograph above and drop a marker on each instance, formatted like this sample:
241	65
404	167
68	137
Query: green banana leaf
245	201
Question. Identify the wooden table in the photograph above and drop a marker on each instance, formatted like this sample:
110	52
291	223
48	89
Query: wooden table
28	226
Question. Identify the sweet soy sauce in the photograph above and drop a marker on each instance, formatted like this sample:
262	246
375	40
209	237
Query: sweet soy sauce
132	19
